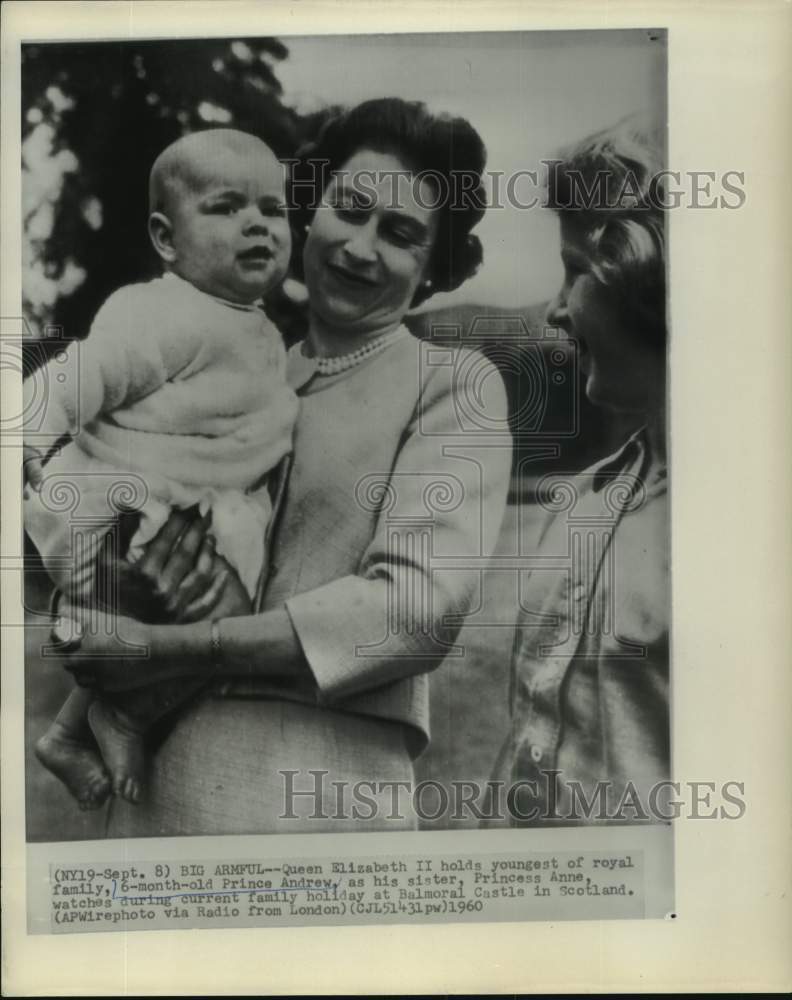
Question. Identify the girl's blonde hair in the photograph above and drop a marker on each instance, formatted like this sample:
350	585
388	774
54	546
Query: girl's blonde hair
611	187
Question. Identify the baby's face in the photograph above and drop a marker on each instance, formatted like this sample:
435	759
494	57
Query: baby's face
230	233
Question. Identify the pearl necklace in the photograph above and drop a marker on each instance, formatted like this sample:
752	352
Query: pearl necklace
342	362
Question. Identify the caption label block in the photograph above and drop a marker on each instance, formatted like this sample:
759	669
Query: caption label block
584	885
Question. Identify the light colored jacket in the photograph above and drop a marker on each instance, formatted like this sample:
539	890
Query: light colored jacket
175	398
184	388
590	667
392	509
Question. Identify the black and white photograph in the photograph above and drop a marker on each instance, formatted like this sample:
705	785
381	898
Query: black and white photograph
346	467
344	446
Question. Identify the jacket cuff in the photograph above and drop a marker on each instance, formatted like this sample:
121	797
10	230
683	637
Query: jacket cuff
341	627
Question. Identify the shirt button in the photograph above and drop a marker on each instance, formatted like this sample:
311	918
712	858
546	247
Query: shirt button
536	753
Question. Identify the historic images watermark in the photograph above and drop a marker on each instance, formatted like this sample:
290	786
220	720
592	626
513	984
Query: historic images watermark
549	799
520	189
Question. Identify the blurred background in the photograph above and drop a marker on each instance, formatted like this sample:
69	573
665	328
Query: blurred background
95	115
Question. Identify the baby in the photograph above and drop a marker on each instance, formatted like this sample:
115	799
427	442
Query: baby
182	391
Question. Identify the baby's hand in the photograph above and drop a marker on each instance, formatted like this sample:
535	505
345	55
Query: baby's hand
33	467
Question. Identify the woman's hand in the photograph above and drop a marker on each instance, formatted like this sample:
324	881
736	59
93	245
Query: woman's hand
180	578
181	569
114	652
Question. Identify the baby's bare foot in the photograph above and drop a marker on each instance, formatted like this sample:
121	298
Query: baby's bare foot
76	764
122	748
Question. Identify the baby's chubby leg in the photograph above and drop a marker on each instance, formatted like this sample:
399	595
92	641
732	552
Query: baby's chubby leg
121	738
120	726
68	750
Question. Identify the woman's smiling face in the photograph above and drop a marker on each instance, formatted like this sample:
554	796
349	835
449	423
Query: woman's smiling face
622	372
369	244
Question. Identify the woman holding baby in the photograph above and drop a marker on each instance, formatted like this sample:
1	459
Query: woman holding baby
378	533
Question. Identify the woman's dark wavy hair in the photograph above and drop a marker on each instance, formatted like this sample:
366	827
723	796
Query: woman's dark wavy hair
440	145
610	186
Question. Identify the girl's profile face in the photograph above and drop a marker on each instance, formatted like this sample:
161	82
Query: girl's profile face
370	243
621	371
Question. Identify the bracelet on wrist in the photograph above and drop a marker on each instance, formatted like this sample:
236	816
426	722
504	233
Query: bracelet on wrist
215	647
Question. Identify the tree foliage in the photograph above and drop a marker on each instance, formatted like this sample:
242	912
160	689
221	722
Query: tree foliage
95	116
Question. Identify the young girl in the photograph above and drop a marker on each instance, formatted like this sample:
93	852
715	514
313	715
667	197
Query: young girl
589	739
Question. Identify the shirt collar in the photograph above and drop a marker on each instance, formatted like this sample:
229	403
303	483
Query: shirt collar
299	369
257	306
636	458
